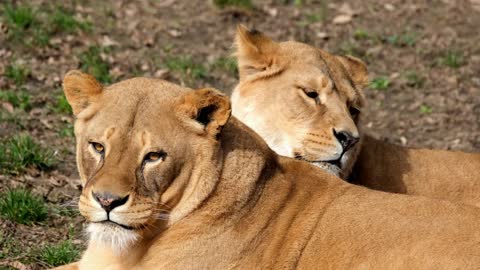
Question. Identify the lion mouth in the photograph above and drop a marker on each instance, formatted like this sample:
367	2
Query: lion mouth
335	162
115	224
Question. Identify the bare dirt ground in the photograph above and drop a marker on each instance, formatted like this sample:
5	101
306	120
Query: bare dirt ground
423	56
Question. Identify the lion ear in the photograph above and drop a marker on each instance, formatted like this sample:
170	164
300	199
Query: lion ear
208	107
356	69
255	51
80	90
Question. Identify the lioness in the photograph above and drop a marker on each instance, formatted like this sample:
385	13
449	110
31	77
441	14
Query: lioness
171	181
306	102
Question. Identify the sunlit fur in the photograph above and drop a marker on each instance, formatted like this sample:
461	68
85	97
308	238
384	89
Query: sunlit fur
111	236
271	98
229	201
269	103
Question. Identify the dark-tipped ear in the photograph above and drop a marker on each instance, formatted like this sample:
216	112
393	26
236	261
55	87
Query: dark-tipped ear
208	107
80	90
255	51
356	68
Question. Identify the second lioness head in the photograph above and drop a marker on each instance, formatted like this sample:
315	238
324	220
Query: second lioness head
302	100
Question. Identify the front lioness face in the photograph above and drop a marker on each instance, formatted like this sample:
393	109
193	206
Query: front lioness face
303	101
135	154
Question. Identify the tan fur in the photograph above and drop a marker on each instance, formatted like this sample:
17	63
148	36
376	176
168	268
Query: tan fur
233	203
447	175
270	104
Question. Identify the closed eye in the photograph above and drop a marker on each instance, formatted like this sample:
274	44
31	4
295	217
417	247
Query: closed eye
311	93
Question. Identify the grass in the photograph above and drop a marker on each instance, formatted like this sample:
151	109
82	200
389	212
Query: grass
59	254
19	98
65	210
63	21
19	17
186	67
9	247
17	73
92	63
41	37
228	64
361	34
21	206
66	131
352	48
425	109
453	59
403	40
24	25
314	17
380	83
35	27
235	3
414	80
61	105
16	118
20	152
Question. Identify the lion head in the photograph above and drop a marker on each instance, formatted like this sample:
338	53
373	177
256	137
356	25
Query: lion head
302	100
142	146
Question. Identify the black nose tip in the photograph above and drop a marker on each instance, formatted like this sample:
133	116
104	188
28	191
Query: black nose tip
109	201
346	139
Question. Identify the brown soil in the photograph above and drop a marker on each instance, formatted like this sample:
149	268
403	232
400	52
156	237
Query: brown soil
436	107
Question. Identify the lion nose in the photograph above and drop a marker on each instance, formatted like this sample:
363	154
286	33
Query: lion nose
346	139
109	201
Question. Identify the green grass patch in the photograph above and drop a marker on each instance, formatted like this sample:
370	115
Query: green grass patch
92	63
66	131
425	109
18	98
233	3
61	105
19	17
21	206
228	64
186	67
35	27
66	210
17	73
361	34
61	253
414	79
20	152
314	17
16	118
63	20
453	59
403	40
380	83
9	248
351	48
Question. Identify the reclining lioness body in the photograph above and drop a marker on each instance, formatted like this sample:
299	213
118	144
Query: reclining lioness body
306	102
170	181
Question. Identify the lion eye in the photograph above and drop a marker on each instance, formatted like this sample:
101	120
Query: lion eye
154	156
354	112
313	95
98	147
309	92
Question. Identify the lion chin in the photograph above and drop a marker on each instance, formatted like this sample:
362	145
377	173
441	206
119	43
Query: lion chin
112	236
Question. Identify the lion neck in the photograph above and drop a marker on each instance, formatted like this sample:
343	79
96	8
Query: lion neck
233	168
